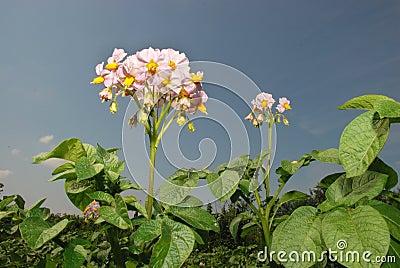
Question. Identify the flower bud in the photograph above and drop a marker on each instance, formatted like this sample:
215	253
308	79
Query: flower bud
191	126
260	117
256	124
249	117
143	116
113	107
181	120
286	121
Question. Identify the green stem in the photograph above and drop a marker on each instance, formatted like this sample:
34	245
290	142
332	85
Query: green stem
272	202
112	237
153	151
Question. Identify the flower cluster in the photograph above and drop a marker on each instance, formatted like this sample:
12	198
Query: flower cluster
262	110
92	210
152	77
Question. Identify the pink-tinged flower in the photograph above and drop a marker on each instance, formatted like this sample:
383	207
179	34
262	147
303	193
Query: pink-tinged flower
174	60
150	58
263	101
284	104
92	209
106	94
130	75
101	74
113	61
197	101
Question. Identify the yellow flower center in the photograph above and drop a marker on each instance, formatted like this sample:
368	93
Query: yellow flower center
202	108
172	65
129	81
152	66
287	106
264	103
166	82
97	80
112	66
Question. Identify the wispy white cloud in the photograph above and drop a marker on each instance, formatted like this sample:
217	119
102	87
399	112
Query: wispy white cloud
15	152
5	173
46	139
53	162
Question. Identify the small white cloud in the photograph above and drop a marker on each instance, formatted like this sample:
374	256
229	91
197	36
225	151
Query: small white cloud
15	152
5	173
46	139
53	162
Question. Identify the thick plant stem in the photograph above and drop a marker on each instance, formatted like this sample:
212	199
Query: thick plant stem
153	151
112	237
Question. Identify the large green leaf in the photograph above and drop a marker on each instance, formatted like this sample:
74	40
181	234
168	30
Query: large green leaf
379	166
62	168
102	196
292	196
347	191
361	142
356	230
147	232
390	214
132	201
174	246
196	217
387	108
118	215
91	152
328	180
176	188
81	199
223	186
330	155
75	253
365	102
299	233
70	150
85	170
393	254
35	231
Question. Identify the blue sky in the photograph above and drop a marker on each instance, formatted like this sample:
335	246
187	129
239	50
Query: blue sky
317	53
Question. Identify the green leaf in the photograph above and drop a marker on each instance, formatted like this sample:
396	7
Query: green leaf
126	184
147	232
35	231
365	102
361	142
118	215
67	174
91	152
5	214
190	201
223	186
6	201
37	204
176	188
81	199
234	225
379	166
347	191
330	155
174	246
196	217
299	233
76	187
356	230
131	200
387	108
62	168
102	196
390	214
75	253
292	196
328	180
70	150
394	255
199	240
85	170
